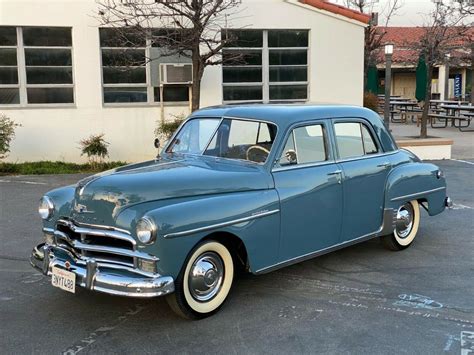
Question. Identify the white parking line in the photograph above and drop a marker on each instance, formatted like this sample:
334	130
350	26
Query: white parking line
463	161
25	182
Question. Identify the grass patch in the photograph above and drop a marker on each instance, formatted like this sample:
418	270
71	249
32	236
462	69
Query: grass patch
55	167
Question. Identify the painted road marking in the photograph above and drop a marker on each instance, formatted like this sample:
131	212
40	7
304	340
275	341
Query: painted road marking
463	161
458	206
467	343
24	182
92	337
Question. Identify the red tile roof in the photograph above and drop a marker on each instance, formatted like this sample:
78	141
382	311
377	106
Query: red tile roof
404	40
338	10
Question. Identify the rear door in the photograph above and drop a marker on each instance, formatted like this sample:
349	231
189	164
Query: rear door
365	169
308	182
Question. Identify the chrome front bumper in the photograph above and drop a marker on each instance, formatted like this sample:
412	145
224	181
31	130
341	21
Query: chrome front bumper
101	277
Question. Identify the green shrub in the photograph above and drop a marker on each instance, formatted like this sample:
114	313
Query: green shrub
371	101
7	133
95	147
167	128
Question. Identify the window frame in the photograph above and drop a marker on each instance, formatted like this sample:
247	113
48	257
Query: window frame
23	86
270	157
330	154
370	129
266	84
150	102
16	86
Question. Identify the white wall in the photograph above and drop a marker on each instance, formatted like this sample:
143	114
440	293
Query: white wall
335	70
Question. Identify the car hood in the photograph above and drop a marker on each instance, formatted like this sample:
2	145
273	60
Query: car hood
100	198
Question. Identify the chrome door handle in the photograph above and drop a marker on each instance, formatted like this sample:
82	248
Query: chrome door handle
384	165
338	173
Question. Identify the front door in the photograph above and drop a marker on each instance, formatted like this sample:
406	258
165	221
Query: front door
308	182
365	171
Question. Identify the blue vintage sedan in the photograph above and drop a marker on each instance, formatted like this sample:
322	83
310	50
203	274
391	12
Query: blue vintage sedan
253	187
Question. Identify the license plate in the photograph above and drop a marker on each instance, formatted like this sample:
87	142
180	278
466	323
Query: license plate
64	280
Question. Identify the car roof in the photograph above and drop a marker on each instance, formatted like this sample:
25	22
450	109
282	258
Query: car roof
288	114
285	115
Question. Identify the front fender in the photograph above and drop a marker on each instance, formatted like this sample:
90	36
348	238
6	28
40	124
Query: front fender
251	216
63	199
416	181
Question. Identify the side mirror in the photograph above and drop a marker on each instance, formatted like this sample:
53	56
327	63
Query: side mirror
156	143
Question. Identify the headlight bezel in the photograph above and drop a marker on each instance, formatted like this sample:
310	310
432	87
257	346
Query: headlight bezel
151	228
46	208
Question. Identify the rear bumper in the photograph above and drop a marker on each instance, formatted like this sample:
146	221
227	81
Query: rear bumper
101	277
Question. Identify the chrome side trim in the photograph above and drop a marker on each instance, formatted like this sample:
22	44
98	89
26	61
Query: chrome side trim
418	193
386	227
102	232
218	225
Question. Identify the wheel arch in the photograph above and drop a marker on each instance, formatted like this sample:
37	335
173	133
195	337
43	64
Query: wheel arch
234	244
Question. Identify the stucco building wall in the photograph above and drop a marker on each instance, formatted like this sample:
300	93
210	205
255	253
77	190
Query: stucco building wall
335	76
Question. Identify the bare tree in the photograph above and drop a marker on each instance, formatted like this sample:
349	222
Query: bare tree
189	28
447	30
374	34
465	6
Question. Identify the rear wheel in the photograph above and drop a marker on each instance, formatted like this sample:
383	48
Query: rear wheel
406	227
204	282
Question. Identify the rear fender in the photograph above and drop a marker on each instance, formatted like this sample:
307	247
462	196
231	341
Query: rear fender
416	181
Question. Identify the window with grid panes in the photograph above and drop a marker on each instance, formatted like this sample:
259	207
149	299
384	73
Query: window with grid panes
128	62
36	66
265	65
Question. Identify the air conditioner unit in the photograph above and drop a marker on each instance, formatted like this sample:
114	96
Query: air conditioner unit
176	73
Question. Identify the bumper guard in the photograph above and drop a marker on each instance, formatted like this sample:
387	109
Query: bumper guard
101	277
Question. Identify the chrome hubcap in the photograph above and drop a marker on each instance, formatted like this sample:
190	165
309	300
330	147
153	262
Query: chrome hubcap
205	277
404	220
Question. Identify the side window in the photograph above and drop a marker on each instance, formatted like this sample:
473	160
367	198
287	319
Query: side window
354	140
305	145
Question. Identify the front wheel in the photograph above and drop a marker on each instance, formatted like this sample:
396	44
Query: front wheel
406	227
204	282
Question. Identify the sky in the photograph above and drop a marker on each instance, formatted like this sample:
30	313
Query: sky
411	13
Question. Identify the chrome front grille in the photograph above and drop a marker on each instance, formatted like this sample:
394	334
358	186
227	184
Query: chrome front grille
103	244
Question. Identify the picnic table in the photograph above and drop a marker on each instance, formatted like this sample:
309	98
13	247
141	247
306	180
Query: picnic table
406	107
437	103
455	113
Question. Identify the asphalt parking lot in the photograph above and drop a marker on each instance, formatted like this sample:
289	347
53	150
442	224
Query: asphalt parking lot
363	299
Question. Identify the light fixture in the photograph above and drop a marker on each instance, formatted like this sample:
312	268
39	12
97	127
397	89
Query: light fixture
388	49
146	230
46	208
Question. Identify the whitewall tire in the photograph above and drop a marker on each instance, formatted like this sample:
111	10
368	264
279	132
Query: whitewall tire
406	227
204	282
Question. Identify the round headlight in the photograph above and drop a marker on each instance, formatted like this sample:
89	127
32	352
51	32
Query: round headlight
146	230
46	207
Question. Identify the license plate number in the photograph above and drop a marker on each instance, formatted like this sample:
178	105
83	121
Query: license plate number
63	279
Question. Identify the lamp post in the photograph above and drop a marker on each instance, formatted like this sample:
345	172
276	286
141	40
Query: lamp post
388	83
446	81
472	73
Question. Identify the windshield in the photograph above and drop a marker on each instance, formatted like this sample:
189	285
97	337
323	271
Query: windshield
194	136
234	139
